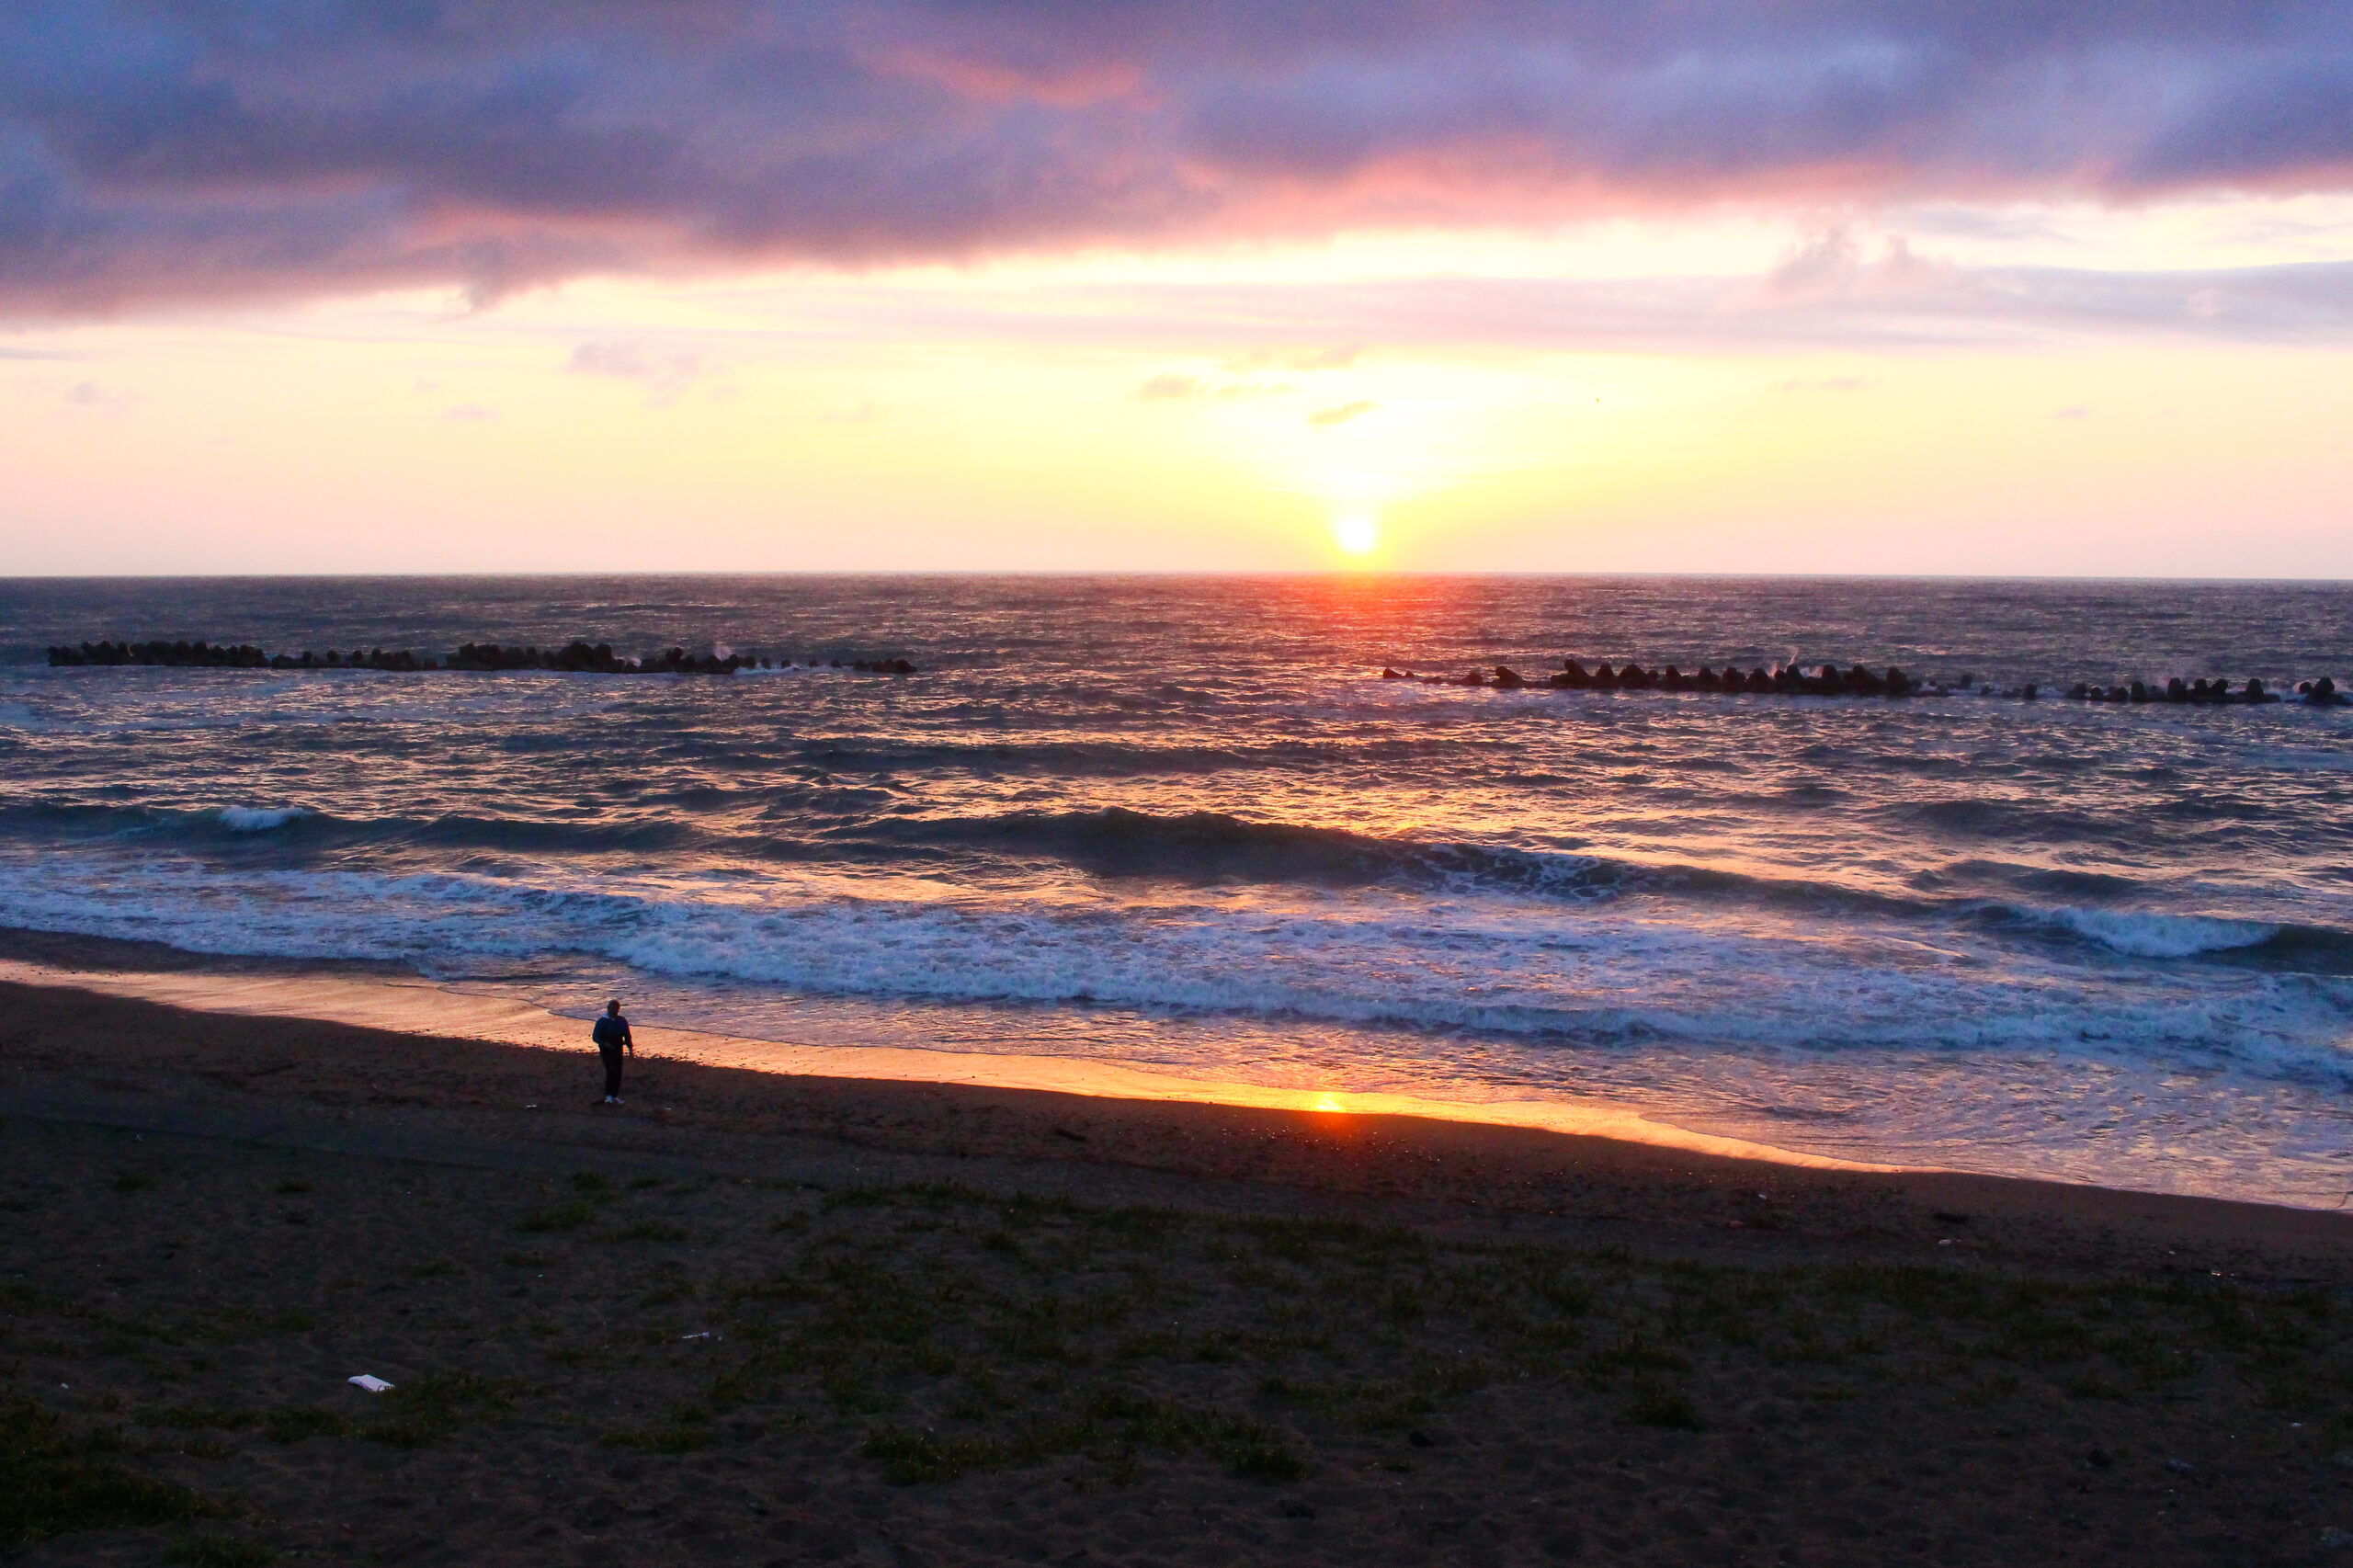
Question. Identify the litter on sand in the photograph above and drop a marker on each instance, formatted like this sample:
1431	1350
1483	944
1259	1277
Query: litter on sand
373	1385
704	1334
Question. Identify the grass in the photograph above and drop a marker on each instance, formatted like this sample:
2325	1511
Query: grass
1111	1427
688	1430
219	1551
425	1409
1670	1409
54	1478
941	1331
649	1231
566	1216
416	1412
990	1345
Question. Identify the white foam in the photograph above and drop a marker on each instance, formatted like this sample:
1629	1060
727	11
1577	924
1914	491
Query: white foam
2147	933
259	819
1579	981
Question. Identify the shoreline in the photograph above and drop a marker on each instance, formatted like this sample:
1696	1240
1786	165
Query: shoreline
92	1056
420	1006
397	1000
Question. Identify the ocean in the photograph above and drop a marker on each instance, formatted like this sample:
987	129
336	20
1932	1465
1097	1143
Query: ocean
1180	822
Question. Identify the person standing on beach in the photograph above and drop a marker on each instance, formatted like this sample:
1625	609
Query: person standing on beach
612	1039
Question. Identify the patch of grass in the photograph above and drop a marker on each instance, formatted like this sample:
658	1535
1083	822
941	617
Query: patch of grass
649	1231
901	1307
1632	1353
292	1187
1380	1406
426	1409
293	1423
590	1182
1110	1426
911	1458
1269	1460
1670	1409
567	1216
53	1480
219	1551
687	1431
200	1417
132	1181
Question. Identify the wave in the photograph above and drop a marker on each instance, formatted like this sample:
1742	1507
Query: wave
2165	937
1588	978
298	830
1117	759
2146	934
259	819
1215	849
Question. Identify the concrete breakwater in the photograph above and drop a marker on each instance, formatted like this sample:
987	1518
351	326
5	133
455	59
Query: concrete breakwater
2320	693
578	657
1788	680
1828	681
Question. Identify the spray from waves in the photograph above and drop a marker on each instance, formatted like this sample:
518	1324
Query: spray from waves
259	819
2147	933
1582	981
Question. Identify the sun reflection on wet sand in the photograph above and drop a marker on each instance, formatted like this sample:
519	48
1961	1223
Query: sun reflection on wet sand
417	1008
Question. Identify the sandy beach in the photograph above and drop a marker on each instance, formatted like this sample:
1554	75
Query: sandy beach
761	1317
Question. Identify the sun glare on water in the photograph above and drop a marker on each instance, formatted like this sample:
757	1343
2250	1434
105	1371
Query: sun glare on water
1356	535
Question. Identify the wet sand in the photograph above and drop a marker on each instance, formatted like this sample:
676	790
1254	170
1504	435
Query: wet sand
951	1322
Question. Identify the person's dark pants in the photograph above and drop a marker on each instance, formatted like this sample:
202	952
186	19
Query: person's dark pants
612	1055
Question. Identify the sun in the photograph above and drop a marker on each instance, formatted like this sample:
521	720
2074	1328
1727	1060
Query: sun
1356	534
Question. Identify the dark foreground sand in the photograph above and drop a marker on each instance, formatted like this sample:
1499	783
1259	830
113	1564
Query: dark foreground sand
759	1319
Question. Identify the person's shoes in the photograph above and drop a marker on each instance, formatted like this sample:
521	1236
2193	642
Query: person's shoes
615	1100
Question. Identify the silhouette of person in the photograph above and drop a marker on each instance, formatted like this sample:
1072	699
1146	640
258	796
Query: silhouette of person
612	1039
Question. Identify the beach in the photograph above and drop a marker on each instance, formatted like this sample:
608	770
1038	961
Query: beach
1120	835
756	1316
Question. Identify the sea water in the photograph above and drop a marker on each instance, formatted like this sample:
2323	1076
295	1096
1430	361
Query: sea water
1180	822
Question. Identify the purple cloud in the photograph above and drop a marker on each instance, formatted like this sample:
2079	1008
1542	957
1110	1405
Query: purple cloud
153	150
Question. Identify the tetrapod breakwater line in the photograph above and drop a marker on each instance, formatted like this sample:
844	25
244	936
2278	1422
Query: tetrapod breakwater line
577	657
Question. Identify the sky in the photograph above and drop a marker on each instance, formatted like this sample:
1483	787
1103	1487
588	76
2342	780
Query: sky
2022	286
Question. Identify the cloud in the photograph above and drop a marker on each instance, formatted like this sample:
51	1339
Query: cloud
468	414
1827	384
665	373
1328	419
92	398
1338	357
160	150
1171	385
